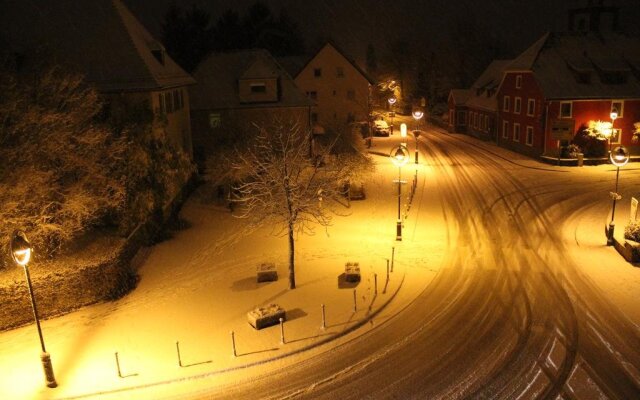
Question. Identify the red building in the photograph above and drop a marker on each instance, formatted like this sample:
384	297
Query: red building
474	111
553	90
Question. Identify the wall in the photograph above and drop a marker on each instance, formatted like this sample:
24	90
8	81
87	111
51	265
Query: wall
333	105
529	89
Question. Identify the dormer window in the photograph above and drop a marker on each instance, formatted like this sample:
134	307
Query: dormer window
518	81
258	88
159	55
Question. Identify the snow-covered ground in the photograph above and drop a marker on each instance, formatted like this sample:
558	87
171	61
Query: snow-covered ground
197	287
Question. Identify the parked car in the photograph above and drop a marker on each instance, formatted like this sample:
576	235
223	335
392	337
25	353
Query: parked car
381	128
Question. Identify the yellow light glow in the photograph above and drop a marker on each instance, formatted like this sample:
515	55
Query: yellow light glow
417	114
403	130
614	115
22	256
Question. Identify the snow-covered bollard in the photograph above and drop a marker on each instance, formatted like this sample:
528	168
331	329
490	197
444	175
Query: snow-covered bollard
352	272
266	272
355	307
375	283
233	343
178	350
282	331
118	366
393	253
324	321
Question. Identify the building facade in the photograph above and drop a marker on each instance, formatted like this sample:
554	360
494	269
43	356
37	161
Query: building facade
339	88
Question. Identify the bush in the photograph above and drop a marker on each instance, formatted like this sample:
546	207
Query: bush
592	147
632	231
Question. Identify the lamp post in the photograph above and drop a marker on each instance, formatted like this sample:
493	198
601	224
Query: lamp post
392	100
21	254
399	157
619	157
417	115
614	116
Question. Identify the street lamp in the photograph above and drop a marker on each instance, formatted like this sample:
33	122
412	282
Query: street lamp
614	116
417	115
21	253
392	100
619	157
399	156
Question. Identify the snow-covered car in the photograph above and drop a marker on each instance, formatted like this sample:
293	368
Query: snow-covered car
381	128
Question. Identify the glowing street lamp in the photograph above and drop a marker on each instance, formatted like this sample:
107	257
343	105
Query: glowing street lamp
399	156
417	115
21	253
614	116
392	100
619	157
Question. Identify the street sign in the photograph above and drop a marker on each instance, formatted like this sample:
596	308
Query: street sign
633	215
562	129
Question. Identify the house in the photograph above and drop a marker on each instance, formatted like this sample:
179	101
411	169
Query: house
239	90
552	91
337	85
102	40
475	111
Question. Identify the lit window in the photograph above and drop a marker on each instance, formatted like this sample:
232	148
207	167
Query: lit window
529	137
517	105
506	103
618	105
505	129
531	107
518	81
566	109
516	132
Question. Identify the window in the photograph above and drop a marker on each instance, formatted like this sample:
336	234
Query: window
506	103
314	117
176	100
516	132
339	72
214	120
451	116
518	81
531	107
517	105
529	136
505	129
161	105
313	95
566	109
334	92
618	105
474	119
168	99
351	94
350	118
462	118
486	123
615	139
317	72
258	88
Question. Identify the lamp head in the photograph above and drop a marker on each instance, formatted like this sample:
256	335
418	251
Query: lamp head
403	130
614	114
417	114
399	156
20	248
619	156
392	100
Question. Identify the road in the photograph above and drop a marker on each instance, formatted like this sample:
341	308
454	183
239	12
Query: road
509	315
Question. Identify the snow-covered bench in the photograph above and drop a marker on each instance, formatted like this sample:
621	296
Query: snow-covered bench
352	272
263	317
267	272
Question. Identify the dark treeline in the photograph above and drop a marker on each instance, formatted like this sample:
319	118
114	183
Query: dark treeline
189	34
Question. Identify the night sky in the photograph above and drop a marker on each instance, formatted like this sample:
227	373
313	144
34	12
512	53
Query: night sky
427	23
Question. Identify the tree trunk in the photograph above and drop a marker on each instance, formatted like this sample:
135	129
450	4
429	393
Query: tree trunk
292	272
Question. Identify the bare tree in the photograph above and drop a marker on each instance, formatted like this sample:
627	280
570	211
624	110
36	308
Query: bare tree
281	183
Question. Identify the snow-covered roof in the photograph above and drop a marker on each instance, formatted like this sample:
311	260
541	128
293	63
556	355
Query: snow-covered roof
484	89
584	65
218	77
460	96
99	38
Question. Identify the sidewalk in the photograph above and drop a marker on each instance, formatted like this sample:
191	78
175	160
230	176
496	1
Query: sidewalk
194	290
